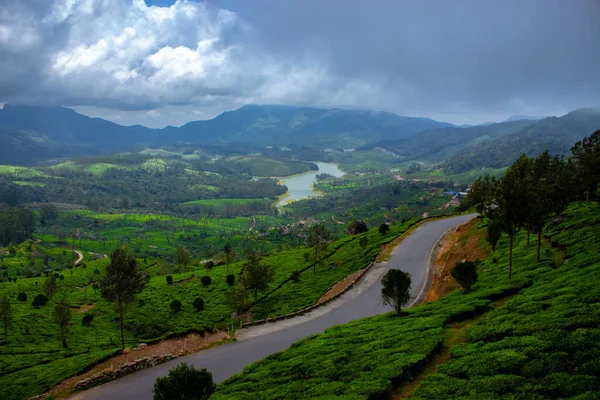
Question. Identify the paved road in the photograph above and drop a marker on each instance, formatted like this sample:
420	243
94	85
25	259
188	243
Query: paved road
364	300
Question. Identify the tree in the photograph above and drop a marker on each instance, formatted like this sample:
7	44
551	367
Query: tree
48	214
587	155
5	314
395	289
512	199
237	299
357	226
175	306
182	257
122	283
39	300
184	382
198	304
62	317
545	198
493	234
318	240
227	250
465	274
384	229
363	242
50	286
257	276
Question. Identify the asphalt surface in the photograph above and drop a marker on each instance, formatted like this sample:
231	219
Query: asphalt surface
412	256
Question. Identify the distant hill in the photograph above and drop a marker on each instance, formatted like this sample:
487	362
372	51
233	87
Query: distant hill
301	126
39	133
520	117
31	134
438	144
555	134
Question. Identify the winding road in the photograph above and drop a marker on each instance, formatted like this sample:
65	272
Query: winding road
255	343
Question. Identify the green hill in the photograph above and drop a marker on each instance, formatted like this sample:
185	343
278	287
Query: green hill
555	134
535	336
253	126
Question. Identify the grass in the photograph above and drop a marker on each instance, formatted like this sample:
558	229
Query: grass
542	343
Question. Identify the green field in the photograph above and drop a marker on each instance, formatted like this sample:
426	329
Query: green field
220	203
540	343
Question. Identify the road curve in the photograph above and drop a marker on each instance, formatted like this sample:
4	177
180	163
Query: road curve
413	256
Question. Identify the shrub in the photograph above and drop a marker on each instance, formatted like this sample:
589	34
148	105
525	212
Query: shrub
175	306
296	276
39	300
169	279
356	227
22	296
383	229
206	280
465	274
87	319
198	304
230	279
184	382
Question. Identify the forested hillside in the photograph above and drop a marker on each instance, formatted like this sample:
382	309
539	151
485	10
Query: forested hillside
553	134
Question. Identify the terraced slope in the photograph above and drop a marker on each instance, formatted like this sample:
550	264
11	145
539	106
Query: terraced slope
542	343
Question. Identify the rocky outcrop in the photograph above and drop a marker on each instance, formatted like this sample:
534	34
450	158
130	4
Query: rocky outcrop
109	374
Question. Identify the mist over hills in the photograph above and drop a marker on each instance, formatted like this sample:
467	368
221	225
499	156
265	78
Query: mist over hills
31	134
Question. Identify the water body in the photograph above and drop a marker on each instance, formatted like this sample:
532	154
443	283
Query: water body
301	186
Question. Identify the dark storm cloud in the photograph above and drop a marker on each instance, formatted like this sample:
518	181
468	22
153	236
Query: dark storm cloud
447	53
463	61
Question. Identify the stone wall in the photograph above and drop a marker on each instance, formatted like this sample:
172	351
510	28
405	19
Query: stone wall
109	374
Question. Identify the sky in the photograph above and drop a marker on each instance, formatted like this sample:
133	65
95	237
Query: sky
165	62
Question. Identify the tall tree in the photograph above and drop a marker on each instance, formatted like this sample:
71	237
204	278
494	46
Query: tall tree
5	314
395	289
510	211
182	257
48	214
587	155
543	200
237	299
257	276
318	240
62	317
227	250
50	286
122	283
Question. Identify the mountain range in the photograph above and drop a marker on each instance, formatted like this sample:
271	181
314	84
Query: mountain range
32	134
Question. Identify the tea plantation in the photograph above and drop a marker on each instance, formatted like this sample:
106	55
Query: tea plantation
33	360
543	342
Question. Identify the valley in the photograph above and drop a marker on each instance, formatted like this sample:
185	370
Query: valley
195	218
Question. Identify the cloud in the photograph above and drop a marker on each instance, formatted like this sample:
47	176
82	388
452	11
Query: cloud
462	61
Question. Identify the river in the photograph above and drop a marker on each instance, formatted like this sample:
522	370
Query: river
301	186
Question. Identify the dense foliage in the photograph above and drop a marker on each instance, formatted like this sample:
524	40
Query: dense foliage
184	382
16	225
